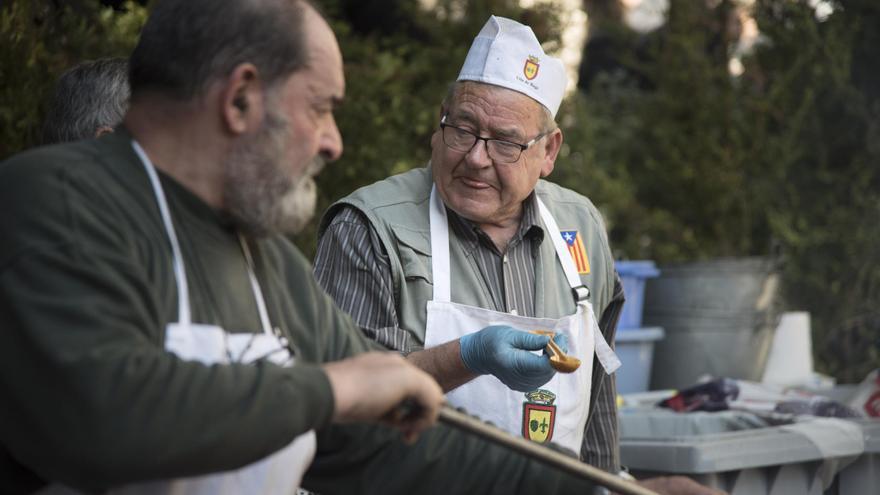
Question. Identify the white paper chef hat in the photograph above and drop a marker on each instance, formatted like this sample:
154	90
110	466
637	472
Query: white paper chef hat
506	53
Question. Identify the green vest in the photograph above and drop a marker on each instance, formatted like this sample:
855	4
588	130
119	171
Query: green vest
397	208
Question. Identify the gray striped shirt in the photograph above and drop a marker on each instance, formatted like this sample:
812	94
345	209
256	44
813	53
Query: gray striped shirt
353	267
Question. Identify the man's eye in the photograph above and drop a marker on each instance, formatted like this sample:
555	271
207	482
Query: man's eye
505	146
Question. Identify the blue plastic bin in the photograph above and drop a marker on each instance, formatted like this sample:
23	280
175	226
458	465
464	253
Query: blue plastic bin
635	348
633	275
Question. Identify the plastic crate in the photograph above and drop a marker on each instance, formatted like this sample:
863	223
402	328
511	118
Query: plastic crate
725	451
632	276
863	475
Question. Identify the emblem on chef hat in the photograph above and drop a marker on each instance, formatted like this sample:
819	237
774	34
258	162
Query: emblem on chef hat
507	54
530	70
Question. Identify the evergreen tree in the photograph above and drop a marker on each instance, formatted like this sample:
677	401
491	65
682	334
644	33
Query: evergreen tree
685	160
706	164
815	109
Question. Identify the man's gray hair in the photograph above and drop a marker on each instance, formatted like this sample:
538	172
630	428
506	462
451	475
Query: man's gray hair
545	125
87	97
188	44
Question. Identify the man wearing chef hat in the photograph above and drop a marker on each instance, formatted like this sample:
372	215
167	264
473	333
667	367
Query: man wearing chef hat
452	263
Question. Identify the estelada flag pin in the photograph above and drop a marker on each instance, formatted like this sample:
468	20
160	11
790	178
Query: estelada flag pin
578	251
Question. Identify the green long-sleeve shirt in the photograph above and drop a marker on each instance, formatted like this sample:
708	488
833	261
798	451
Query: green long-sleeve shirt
92	399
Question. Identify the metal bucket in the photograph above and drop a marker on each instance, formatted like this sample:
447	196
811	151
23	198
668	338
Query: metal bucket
719	316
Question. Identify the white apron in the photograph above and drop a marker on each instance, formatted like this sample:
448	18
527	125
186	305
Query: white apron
558	410
278	473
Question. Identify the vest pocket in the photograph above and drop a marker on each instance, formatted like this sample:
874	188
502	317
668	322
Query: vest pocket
414	251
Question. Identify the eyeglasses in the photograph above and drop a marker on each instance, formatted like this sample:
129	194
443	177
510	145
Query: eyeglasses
499	150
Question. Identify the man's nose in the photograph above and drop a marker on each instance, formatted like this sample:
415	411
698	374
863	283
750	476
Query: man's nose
478	156
331	143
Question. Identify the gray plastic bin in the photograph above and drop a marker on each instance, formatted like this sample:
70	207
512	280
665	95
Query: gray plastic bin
730	452
863	475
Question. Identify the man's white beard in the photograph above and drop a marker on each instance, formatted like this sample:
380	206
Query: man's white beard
258	195
298	205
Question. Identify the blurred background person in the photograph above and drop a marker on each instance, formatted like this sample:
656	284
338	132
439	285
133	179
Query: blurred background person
89	100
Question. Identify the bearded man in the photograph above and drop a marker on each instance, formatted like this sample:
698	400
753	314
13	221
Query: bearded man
454	263
156	325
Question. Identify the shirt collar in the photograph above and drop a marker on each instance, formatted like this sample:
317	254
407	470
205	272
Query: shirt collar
529	228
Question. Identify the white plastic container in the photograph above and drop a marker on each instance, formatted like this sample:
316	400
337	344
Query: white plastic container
790	362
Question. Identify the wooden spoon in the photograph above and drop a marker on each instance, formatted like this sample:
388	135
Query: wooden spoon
560	361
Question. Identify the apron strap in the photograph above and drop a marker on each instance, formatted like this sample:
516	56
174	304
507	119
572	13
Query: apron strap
439	248
440	251
441	273
578	289
607	358
183	310
606	355
255	287
184	315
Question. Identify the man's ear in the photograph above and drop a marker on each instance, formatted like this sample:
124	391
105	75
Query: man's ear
104	129
552	145
241	99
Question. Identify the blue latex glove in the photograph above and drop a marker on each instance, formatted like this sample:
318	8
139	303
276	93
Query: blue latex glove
503	351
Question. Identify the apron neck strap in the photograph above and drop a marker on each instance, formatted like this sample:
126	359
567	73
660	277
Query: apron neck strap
579	290
183	311
184	315
255	286
440	250
439	247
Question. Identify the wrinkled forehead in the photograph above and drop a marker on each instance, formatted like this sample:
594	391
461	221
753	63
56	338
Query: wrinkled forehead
484	104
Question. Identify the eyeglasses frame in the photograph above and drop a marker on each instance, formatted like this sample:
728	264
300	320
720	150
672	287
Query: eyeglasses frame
523	146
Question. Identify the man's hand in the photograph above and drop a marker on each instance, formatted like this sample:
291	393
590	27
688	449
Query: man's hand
677	485
369	387
503	351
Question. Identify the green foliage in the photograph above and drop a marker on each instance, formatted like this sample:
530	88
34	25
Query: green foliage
685	161
38	41
681	144
783	157
819	131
